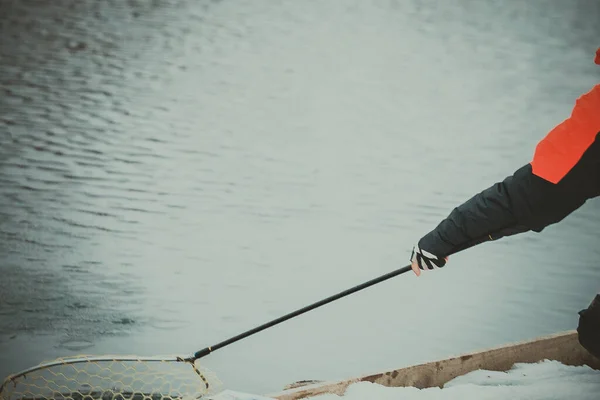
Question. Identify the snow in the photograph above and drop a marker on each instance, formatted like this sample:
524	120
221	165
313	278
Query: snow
547	380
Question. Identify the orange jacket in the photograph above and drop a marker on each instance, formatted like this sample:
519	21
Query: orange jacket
563	147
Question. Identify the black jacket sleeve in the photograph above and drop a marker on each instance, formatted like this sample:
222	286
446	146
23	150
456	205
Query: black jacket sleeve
522	202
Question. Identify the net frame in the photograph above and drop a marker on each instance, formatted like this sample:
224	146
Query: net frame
86	377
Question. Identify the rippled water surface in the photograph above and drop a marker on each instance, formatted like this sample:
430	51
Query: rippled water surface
175	173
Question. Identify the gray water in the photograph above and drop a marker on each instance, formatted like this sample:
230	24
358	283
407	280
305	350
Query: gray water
175	173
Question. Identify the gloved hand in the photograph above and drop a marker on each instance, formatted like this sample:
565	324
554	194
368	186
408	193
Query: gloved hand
588	329
423	260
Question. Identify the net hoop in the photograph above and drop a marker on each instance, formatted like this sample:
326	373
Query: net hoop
110	377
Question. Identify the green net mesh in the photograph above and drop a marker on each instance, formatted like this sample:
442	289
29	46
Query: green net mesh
108	378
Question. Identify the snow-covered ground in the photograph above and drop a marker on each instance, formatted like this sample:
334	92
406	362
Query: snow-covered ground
547	380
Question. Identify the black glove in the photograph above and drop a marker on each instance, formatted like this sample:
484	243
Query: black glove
589	327
426	260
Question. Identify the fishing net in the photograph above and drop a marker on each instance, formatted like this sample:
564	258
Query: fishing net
134	378
106	378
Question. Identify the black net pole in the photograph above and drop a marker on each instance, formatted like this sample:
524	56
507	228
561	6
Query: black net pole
210	349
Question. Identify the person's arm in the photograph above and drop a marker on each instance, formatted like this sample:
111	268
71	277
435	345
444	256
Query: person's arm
564	173
520	203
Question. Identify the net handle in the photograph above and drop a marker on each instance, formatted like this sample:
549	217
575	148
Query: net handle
206	351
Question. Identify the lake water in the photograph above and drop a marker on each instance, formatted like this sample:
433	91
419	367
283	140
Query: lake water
173	173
